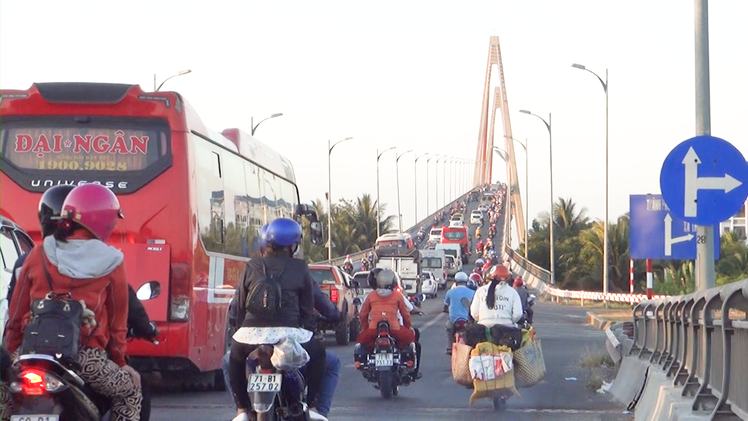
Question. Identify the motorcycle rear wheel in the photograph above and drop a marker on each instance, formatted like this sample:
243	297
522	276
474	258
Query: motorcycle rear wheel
385	384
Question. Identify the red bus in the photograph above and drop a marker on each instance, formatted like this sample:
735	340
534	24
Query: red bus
457	235
193	200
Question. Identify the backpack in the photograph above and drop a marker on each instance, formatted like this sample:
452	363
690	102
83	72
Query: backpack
264	296
55	325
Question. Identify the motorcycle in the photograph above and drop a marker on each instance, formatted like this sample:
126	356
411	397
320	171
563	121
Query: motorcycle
387	366
348	268
526	321
276	394
48	389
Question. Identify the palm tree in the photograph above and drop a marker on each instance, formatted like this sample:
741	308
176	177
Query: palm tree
568	219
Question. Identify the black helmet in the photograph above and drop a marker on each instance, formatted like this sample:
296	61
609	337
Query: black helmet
50	206
386	279
372	278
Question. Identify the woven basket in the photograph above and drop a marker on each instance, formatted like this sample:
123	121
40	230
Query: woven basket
529	365
460	364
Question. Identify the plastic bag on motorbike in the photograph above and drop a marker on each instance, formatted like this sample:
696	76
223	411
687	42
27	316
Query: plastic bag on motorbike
289	355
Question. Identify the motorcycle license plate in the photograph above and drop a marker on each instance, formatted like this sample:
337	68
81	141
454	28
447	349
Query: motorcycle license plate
264	382
34	418
383	360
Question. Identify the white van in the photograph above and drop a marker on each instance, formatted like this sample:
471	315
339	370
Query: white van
434	261
455	251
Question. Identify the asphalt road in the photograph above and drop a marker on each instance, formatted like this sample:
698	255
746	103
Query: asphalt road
562	395
565	337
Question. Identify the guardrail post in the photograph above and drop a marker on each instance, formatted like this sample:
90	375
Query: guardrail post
644	351
733	297
637	314
673	362
692	383
704	399
684	361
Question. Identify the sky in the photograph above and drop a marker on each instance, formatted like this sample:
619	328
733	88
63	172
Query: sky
411	75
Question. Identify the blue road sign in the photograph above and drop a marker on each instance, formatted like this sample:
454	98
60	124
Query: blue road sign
657	234
704	180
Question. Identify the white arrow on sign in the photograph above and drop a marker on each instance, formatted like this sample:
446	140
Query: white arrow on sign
694	183
669	240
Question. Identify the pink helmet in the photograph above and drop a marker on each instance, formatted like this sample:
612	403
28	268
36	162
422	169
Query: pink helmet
94	207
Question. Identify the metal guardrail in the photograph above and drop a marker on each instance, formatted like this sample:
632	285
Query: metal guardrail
543	277
338	261
701	341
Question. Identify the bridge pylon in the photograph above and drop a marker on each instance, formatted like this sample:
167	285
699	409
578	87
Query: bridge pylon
485	151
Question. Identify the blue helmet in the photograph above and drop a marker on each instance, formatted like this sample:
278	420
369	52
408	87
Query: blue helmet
283	232
262	236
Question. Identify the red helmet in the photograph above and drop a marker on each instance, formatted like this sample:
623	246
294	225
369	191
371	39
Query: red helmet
487	266
94	207
476	277
518	281
499	273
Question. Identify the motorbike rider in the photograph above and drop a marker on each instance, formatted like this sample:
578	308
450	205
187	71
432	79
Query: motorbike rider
348	264
372	282
384	303
496	302
477	233
524	295
457	304
139	325
283	237
77	259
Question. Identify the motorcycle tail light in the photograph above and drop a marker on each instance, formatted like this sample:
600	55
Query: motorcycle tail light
32	382
334	295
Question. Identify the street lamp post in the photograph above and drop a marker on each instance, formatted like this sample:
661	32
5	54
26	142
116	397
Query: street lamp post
252	121
397	176
551	221
527	186
415	181
428	179
329	195
379	218
180	73
444	180
606	244
436	178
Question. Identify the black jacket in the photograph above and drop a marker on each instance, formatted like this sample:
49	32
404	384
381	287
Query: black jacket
322	304
138	323
297	298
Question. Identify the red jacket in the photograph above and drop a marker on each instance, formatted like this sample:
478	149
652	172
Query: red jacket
384	308
106	296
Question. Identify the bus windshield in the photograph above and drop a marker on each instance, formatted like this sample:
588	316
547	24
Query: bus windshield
454	235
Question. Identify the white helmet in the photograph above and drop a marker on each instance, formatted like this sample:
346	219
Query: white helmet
461	277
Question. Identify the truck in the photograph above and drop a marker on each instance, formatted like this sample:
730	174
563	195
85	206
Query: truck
405	262
454	251
435	262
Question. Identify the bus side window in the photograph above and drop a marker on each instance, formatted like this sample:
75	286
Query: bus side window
236	239
210	195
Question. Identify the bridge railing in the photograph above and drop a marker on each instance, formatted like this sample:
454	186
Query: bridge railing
338	261
700	340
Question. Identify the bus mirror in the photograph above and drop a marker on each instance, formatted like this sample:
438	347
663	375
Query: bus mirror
315	229
148	291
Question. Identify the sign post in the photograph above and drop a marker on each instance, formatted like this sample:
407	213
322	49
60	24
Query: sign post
705	277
